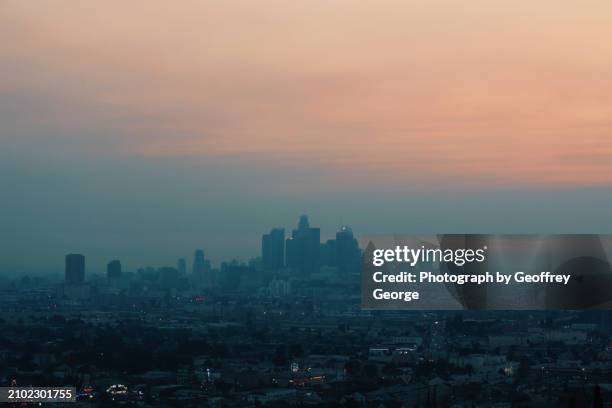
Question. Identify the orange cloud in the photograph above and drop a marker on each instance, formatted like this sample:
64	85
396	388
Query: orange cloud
482	94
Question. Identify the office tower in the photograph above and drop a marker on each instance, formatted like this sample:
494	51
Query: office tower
75	269
273	249
113	270
303	248
198	262
291	253
328	253
348	254
201	273
182	266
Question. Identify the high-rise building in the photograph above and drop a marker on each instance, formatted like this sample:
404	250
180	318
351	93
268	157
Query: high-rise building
182	266
328	253
273	249
202	273
291	253
113	270
198	262
75	269
303	248
348	254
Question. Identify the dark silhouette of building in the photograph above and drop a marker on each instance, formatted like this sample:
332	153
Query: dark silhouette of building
348	254
342	252
113	270
198	262
328	253
303	248
202	273
182	266
75	269
273	249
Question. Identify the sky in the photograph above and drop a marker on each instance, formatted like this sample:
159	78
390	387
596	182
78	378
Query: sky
142	130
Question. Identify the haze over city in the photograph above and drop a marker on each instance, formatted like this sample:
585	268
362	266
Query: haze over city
143	131
307	203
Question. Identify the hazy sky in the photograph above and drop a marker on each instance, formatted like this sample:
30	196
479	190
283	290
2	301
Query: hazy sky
141	130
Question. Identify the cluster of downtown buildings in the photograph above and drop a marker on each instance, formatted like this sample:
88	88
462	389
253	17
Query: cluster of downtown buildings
285	259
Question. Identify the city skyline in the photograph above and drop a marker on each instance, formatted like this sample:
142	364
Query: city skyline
201	262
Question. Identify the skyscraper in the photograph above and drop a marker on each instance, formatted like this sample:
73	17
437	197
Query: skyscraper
328	253
303	248
348	254
202	274
75	286
75	269
113	270
273	249
291	253
198	262
182	266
